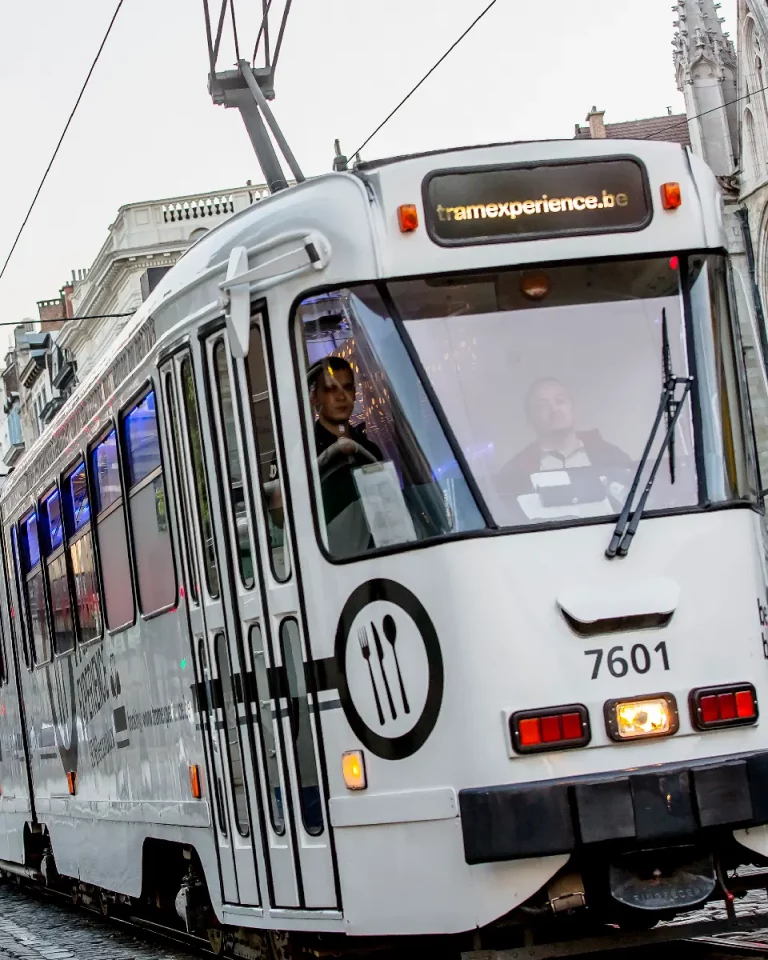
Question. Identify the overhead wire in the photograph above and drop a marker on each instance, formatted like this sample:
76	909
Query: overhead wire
425	77
721	106
61	138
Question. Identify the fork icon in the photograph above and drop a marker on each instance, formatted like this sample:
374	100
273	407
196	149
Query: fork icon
365	647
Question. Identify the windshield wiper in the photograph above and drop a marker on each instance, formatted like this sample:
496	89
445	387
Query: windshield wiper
670	407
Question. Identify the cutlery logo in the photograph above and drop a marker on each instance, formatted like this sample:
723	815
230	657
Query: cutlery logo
390	669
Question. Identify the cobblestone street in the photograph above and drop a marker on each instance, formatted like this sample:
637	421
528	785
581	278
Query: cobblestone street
37	929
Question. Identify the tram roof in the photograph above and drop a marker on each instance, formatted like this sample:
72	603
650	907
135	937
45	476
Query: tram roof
629	146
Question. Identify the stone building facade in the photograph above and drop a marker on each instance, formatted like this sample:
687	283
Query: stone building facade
50	355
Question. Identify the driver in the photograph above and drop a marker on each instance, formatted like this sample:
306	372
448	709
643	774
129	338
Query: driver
340	449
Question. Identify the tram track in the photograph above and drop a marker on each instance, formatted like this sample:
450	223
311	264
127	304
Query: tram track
176	944
147	930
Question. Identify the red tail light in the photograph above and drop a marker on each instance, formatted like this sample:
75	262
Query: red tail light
553	728
732	705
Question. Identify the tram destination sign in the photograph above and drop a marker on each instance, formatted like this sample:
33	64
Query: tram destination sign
498	204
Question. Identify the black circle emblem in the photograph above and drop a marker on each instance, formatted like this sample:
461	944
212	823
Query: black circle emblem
390	669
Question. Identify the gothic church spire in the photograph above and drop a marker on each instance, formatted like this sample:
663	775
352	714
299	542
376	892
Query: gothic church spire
705	67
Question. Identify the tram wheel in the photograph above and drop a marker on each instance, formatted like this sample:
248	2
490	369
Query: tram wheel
281	947
216	940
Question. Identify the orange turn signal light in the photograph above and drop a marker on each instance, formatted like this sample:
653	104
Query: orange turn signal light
353	768
670	196
194	781
72	782
408	217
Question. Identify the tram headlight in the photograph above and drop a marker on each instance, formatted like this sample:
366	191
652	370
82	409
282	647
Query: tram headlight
643	717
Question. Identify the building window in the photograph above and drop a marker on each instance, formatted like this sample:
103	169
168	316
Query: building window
148	509
112	535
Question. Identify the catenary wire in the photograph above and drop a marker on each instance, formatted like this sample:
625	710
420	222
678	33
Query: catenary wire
704	113
425	77
61	138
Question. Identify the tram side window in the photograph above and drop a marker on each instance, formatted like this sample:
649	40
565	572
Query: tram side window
37	615
234	464
148	509
170	402
266	446
384	471
17	612
58	583
81	555
111	534
301	729
210	564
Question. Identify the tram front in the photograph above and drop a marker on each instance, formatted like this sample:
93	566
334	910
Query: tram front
538	571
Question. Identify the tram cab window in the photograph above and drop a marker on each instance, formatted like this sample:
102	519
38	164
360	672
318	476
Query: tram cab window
551	380
383	469
548	381
34	587
111	534
148	509
58	582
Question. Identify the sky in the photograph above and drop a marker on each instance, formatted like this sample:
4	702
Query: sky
147	129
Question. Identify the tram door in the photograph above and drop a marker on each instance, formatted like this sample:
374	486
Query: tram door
218	663
297	844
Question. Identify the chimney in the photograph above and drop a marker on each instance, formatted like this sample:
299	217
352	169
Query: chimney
596	124
66	294
50	312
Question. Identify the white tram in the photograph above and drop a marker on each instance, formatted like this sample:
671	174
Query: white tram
328	610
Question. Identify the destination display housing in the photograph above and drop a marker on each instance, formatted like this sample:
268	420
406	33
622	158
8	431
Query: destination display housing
497	204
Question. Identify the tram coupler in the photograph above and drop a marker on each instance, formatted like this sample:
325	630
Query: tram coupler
660	880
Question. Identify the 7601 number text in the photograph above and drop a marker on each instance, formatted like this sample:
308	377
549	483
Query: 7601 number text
640	659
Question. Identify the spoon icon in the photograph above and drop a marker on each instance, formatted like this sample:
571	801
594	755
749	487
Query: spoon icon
390	632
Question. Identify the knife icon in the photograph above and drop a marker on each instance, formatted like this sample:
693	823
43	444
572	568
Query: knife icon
380	655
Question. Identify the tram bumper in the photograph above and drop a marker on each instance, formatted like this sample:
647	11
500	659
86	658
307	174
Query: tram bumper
648	805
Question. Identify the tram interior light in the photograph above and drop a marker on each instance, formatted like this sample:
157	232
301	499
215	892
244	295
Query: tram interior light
724	706
408	217
534	286
671	197
647	717
353	768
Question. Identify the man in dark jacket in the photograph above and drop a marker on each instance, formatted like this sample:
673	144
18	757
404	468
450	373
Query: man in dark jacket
558	445
340	448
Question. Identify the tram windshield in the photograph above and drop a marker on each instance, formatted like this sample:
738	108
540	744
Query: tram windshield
519	398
